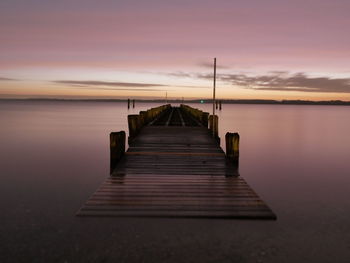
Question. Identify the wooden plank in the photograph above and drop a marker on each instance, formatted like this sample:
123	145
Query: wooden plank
170	202
176	153
143	178
173	208
169	118
179	185
182	214
144	195
164	188
133	177
181	118
211	185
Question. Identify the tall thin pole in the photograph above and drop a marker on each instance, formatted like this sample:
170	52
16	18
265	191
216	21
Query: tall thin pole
214	86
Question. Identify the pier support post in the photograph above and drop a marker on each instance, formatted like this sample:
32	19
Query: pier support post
134	126
204	120
232	151
143	118
117	148
133	103
128	103
214	125
220	105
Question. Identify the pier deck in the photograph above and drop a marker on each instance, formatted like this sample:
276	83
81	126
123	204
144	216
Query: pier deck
175	171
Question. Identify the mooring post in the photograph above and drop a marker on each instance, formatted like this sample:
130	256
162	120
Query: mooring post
232	151
214	126
204	120
143	119
133	124
128	103
220	104
133	103
117	148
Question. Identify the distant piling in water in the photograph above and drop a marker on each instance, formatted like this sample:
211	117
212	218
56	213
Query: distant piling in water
220	104
131	102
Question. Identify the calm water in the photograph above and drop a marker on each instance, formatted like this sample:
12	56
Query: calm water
53	155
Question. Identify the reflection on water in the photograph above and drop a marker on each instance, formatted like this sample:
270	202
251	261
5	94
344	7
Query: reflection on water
55	154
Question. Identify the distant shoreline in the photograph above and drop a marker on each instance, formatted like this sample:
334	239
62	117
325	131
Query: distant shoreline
276	102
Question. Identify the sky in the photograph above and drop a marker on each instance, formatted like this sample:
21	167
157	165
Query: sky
271	49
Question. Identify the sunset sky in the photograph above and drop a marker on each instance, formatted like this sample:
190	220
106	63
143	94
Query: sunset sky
266	49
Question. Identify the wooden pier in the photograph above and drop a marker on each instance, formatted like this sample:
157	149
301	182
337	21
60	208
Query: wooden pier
174	168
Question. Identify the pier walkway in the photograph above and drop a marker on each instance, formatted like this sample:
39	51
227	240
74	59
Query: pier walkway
175	168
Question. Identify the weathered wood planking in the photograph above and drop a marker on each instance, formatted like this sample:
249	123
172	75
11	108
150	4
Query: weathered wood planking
175	171
176	196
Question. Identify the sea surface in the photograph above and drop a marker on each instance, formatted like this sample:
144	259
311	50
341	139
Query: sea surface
54	155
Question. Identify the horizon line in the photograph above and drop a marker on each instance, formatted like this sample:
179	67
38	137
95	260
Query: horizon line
201	101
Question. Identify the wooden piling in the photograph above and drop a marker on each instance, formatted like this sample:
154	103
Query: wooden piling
128	103
117	148
232	145
134	126
143	118
232	150
133	103
220	104
214	126
204	119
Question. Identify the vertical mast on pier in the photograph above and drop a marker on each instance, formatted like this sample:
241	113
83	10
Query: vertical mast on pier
214	86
